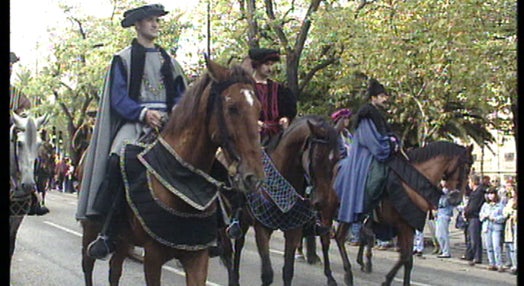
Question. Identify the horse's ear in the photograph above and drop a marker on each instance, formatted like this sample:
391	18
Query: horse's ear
17	119
42	120
217	72
315	128
470	148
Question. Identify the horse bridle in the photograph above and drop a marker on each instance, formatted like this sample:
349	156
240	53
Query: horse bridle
461	163
307	162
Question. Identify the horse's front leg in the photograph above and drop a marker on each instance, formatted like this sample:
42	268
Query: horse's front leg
311	247
405	241
196	266
292	238
340	238
154	258
116	262
325	240
262	236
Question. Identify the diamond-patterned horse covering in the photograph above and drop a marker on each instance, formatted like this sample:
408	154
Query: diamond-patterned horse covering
166	225
276	204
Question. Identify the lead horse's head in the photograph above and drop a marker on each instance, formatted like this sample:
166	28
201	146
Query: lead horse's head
456	174
24	145
220	110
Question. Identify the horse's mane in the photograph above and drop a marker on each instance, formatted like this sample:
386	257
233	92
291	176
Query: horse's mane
187	108
434	149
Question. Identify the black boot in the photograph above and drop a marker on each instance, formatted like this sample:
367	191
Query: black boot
108	202
234	231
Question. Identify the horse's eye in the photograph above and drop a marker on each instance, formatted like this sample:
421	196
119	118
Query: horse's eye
233	110
20	144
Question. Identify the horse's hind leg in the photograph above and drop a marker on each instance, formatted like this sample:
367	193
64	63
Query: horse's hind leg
340	238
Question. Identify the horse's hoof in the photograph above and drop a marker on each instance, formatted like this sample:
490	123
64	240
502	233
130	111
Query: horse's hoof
348	280
332	282
313	259
300	257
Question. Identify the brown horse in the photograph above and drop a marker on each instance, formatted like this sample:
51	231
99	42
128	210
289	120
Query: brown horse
44	171
307	149
436	161
23	152
219	110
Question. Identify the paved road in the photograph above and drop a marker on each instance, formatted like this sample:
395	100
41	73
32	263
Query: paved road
48	253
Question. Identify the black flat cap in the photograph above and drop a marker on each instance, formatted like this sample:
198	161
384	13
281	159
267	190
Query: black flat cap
375	88
262	55
133	15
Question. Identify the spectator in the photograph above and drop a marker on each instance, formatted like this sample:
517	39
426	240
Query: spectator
60	173
433	232
471	212
510	229
444	214
68	176
493	220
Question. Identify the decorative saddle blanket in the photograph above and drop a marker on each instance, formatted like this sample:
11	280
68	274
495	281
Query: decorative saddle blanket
401	170
166	225
276	204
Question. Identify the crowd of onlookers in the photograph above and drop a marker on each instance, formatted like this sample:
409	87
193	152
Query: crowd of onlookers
487	215
63	179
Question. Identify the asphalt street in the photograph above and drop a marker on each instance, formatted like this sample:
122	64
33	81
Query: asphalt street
48	253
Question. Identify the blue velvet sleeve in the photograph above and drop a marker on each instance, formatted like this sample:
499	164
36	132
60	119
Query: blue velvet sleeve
375	142
120	100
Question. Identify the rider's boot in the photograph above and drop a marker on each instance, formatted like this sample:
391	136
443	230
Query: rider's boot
108	201
234	231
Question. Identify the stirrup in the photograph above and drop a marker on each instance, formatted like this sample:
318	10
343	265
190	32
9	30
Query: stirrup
234	231
100	248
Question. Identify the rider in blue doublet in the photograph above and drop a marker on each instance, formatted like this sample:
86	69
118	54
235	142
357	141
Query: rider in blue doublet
372	141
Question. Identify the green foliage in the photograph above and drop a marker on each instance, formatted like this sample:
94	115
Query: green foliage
449	65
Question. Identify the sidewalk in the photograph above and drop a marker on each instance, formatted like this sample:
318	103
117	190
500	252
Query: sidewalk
458	247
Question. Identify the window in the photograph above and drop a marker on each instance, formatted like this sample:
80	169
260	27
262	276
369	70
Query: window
509	157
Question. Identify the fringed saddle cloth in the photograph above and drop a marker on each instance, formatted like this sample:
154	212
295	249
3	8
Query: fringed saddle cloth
276	204
166	225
